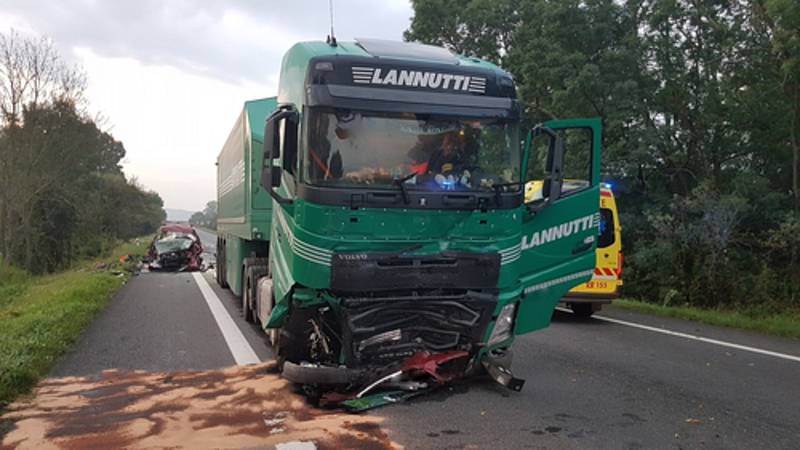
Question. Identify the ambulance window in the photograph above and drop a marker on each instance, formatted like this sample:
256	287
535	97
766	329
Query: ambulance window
606	228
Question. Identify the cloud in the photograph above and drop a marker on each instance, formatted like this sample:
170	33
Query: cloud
231	41
171	76
172	123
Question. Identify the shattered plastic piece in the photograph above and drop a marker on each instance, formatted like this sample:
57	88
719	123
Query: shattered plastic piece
379	382
379	399
442	367
502	374
333	399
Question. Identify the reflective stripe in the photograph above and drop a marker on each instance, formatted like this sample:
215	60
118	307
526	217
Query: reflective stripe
303	249
603	274
557	281
510	254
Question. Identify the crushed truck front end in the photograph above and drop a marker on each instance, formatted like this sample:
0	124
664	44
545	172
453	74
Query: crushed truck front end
399	283
401	247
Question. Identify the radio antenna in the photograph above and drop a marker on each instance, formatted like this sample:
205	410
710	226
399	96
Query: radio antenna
331	37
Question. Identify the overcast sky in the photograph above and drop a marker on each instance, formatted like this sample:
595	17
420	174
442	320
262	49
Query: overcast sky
170	76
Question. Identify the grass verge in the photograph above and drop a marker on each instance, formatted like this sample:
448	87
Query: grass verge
41	316
785	325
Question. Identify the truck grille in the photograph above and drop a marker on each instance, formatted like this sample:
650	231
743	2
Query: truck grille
382	330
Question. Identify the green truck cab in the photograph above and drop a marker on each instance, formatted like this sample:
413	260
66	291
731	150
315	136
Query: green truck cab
397	229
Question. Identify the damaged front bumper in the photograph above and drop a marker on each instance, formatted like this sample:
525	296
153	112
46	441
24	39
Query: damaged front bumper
419	374
407	344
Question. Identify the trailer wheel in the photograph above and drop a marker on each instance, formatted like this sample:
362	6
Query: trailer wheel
247	289
216	257
582	310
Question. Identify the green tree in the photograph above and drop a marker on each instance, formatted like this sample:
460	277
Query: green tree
62	191
482	28
197	219
699	102
784	18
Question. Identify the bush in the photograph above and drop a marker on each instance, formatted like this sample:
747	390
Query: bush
710	250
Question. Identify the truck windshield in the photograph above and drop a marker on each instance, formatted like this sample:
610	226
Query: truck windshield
349	148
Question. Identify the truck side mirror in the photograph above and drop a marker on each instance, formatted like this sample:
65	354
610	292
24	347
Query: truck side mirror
271	142
272	146
271	173
270	177
275	175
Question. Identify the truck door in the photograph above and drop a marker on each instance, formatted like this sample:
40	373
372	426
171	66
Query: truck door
559	232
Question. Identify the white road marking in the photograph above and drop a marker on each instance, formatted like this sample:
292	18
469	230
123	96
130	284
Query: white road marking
241	350
695	337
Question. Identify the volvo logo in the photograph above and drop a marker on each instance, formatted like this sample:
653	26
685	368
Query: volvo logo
352	256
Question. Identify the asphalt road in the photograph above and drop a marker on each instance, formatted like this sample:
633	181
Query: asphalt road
590	384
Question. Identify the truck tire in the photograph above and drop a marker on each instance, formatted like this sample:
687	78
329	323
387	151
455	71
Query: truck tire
273	334
582	310
293	338
222	268
252	274
216	257
305	373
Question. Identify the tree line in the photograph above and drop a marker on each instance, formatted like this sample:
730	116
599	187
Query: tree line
63	195
700	103
207	217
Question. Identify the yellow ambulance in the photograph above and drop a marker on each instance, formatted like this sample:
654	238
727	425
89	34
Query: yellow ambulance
605	285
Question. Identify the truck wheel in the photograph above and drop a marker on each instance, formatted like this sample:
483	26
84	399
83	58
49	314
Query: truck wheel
582	310
265	309
293	338
247	288
221	266
252	274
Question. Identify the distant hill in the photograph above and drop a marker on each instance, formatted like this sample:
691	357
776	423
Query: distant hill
178	215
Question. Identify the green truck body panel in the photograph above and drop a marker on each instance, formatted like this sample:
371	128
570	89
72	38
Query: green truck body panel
542	253
244	207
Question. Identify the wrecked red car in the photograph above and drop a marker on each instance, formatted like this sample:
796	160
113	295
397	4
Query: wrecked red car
175	247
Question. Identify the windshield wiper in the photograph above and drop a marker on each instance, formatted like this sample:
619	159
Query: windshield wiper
400	182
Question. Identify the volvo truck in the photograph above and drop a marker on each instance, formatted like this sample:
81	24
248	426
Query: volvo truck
372	216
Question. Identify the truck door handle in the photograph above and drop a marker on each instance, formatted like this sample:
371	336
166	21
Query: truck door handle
582	247
458	200
387	198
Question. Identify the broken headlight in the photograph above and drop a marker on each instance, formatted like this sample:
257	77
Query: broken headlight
504	325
